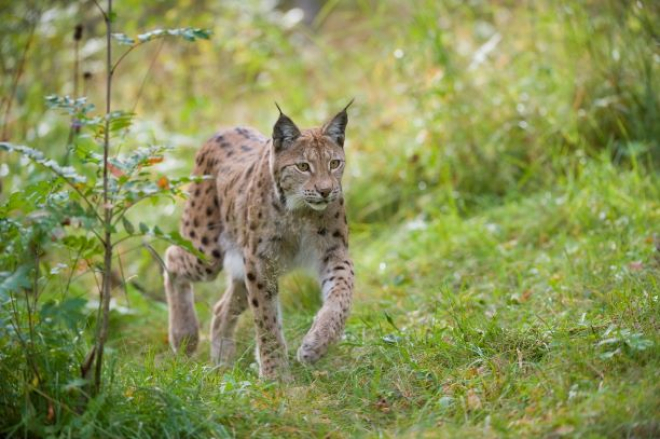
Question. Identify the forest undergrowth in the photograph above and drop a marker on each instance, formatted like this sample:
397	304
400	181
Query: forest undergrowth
502	190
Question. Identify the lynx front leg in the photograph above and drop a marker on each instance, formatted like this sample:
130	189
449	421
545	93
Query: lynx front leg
336	278
261	284
225	316
183	269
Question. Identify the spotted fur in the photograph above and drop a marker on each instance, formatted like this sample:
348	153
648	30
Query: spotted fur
272	204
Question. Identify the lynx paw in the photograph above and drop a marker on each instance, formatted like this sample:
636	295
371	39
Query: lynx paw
310	353
184	341
281	374
222	352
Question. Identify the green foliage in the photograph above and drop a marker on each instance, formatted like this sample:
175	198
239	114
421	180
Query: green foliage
10	282
48	376
187	33
503	199
67	173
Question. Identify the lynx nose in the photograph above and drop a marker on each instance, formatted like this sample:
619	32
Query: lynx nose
324	192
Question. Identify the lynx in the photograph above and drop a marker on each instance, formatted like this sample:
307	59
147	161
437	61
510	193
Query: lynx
272	205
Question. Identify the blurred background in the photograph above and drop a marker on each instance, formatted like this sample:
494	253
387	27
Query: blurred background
499	153
457	102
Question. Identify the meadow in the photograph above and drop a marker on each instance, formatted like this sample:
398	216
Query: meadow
503	197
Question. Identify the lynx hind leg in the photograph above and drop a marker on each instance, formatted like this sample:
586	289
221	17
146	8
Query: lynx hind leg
225	316
182	270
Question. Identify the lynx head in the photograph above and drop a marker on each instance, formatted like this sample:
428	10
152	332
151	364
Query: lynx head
308	164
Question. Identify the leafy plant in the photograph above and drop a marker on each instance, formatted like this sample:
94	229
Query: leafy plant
79	210
503	201
618	340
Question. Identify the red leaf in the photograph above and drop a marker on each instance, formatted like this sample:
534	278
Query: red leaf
163	183
115	170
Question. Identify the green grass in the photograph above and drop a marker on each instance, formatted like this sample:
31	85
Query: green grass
505	227
536	317
493	324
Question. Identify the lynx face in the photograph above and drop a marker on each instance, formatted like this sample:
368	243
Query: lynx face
308	165
309	171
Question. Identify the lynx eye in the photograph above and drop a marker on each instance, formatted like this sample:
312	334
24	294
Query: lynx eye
334	164
303	166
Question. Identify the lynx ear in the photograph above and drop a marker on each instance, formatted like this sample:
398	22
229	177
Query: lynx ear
284	131
336	128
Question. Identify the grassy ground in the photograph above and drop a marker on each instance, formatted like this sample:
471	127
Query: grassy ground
537	317
504	203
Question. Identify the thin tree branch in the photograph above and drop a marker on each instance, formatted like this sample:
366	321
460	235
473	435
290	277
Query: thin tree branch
156	256
141	89
83	196
74	129
123	55
123	278
27	348
104	305
146	75
105	16
118	217
131	48
73	268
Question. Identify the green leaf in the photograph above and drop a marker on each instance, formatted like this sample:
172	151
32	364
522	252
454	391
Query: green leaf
14	281
69	311
390	321
173	238
89	247
77	106
187	33
66	172
123	39
128	226
121	119
148	36
177	239
118	120
142	157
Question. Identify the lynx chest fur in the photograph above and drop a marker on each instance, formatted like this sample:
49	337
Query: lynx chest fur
270	205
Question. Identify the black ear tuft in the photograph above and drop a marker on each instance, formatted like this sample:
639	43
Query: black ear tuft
336	128
284	131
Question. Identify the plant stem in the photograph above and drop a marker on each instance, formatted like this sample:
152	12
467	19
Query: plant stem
104	305
74	129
